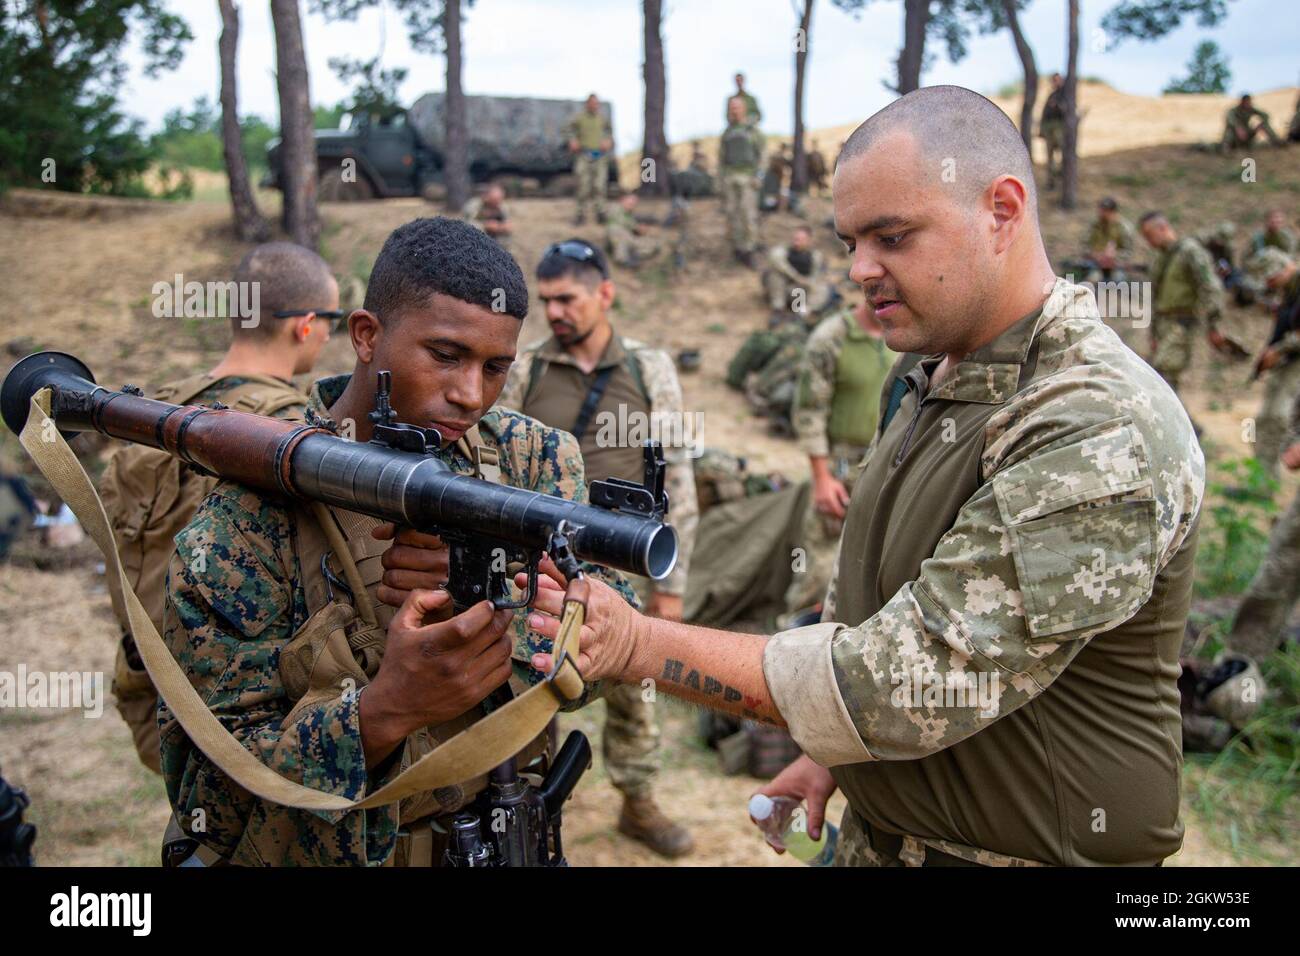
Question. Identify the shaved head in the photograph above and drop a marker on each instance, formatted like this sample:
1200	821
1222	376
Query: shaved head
935	200
963	139
289	276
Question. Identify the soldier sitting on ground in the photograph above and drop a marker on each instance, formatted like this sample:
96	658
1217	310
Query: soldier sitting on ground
488	212
1218	241
625	235
795	279
1110	244
1274	235
1243	124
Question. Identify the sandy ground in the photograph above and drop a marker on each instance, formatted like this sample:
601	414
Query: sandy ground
82	278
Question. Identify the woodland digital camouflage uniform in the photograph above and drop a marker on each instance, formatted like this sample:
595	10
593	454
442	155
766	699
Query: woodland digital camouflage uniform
236	597
1086	499
1188	298
815	393
631	737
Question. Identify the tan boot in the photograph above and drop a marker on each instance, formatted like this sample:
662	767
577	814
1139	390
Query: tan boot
642	820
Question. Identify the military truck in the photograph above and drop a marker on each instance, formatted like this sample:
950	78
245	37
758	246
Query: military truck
517	140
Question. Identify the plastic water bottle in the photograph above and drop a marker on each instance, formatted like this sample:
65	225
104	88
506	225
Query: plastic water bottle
784	822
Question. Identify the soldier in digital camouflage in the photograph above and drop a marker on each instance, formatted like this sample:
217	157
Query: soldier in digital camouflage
488	212
1244	123
796	278
1187	297
625	237
740	151
1279	362
1275	235
442	313
591	141
612	393
1110	243
994	677
836	407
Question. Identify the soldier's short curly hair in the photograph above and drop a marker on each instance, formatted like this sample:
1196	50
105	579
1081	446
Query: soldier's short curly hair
448	256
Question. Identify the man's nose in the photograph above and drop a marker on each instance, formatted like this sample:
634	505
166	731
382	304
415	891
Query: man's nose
865	266
467	391
554	309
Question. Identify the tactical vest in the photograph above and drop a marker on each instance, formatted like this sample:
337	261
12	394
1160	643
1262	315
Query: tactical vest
738	149
340	646
855	407
150	497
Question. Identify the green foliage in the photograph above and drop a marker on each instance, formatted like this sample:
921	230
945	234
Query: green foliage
329	117
1235	537
63	62
375	89
1207	71
1152	19
1248	792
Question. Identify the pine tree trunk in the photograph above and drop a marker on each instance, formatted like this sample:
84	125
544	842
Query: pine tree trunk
297	140
249	224
1070	141
655	147
799	169
1026	54
456	161
916	18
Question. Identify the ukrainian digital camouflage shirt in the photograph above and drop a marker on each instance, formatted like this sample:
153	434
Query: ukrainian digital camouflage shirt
1117	232
1186	283
997	664
825	382
235	599
546	382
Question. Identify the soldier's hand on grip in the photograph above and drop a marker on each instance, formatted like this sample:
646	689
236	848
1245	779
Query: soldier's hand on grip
434	672
414	560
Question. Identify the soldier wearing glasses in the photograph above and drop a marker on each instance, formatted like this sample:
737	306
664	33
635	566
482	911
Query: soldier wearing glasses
150	496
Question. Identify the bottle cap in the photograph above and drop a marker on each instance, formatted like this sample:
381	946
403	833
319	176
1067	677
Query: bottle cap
760	806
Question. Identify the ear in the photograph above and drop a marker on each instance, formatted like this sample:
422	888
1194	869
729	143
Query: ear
301	327
606	292
1009	201
365	330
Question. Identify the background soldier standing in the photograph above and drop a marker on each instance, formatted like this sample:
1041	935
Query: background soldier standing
591	140
739	153
149	496
836	410
1280	360
1051	127
589	380
753	115
1186	295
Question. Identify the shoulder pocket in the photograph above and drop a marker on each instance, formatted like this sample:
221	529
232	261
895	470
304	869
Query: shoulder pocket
1081	519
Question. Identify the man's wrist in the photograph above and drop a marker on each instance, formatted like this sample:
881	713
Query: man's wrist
641	662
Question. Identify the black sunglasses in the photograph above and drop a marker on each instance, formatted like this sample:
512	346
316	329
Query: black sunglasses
335	316
578	252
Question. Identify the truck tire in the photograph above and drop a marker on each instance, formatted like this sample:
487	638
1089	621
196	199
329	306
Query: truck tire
332	187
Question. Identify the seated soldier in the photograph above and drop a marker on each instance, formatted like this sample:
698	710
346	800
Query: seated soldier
488	212
625	235
795	279
1218	241
1243	123
1275	234
1110	243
